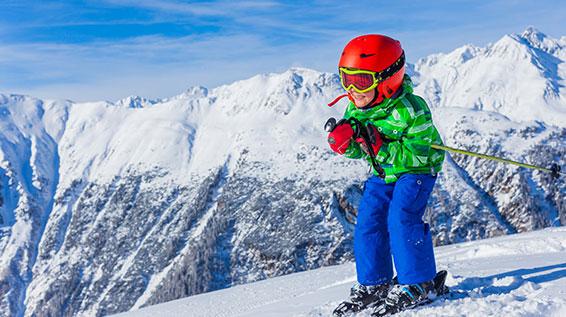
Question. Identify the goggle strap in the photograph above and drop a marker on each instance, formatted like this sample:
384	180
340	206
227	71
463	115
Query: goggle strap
391	70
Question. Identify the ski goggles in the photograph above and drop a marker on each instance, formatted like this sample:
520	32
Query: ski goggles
365	80
359	80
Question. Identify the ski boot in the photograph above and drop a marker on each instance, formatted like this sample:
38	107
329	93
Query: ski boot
403	297
362	297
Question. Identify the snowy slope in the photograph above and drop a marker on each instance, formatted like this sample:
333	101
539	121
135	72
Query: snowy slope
105	207
516	275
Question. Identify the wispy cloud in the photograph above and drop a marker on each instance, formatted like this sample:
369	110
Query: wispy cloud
211	8
152	66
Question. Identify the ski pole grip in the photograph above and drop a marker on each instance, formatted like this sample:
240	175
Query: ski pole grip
330	125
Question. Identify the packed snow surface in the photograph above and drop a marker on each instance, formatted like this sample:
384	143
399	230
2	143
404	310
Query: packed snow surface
515	275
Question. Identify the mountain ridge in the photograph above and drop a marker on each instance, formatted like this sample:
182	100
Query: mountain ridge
510	77
132	203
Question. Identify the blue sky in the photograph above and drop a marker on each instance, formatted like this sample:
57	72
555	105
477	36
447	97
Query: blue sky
110	49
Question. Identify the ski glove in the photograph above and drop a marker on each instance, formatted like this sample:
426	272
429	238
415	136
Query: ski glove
374	138
339	138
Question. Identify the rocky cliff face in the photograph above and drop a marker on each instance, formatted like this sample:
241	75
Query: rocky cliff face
107	207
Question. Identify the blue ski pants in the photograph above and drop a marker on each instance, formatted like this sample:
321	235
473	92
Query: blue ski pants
390	223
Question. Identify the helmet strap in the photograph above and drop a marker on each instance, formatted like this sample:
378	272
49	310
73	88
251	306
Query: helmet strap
372	103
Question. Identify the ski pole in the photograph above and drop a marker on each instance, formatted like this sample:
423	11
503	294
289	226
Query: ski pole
554	170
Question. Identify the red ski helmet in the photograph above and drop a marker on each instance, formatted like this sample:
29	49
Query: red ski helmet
380	54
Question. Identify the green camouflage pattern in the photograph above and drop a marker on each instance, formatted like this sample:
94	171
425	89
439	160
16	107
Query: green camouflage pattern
405	124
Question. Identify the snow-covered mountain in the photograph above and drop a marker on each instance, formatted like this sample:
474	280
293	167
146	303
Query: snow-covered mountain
105	207
519	76
517	275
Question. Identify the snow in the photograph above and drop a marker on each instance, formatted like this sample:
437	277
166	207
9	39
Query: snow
520	76
194	234
516	275
107	204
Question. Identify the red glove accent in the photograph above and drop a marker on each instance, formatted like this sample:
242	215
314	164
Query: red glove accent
339	139
375	138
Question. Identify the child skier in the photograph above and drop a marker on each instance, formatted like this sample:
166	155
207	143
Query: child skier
391	128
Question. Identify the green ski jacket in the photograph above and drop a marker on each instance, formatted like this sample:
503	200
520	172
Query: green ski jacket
405	124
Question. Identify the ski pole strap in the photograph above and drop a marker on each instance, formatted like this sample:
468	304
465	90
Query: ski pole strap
361	130
554	169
